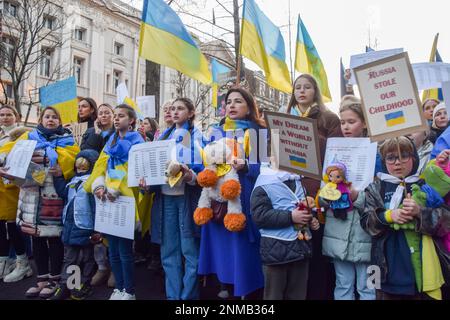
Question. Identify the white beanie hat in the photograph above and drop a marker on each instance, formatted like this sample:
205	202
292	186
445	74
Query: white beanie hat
439	107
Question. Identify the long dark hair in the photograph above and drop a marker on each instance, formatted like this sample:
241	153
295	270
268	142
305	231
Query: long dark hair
93	106
153	124
253	115
317	94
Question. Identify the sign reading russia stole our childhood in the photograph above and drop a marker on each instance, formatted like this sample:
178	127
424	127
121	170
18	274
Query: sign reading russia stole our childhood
62	95
294	144
390	98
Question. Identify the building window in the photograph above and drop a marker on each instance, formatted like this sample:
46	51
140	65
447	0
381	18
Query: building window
126	83
118	49
46	61
107	83
49	22
262	89
10	8
78	69
80	34
117	77
9	45
271	93
9	90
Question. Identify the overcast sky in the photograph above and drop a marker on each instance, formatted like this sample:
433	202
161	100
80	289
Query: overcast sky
340	28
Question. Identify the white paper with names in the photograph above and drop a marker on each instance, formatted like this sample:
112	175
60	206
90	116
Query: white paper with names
121	92
358	155
116	218
148	160
18	160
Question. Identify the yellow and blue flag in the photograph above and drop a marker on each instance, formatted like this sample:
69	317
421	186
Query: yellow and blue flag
394	118
216	69
62	95
165	40
307	60
434	57
298	162
262	42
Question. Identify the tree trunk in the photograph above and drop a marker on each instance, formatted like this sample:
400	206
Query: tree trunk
17	99
152	84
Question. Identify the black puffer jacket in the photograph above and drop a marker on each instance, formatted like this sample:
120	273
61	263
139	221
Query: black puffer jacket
274	251
92	140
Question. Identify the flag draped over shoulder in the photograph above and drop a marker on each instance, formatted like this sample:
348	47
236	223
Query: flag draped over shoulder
434	57
60	151
113	165
262	42
165	40
307	60
216	69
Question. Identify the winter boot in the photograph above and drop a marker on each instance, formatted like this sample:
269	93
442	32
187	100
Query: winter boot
22	270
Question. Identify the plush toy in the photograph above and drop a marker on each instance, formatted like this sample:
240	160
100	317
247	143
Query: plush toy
220	182
430	194
304	233
173	173
337	190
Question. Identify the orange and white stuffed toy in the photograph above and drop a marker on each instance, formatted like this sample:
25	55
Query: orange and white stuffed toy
220	182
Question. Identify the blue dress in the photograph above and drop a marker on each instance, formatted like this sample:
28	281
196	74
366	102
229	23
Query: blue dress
234	256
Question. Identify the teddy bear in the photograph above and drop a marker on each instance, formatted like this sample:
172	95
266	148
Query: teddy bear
220	183
173	173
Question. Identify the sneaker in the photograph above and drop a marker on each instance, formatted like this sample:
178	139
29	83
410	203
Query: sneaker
100	277
62	293
111	281
49	290
116	295
21	271
84	292
34	292
127	296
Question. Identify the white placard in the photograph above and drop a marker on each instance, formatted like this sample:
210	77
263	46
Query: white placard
431	75
148	160
121	92
147	106
358	155
446	94
390	98
358	60
18	160
116	218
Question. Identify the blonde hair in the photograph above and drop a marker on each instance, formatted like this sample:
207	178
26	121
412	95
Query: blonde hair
82	164
390	145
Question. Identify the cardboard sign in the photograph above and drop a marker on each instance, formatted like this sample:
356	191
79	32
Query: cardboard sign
294	144
390	99
146	105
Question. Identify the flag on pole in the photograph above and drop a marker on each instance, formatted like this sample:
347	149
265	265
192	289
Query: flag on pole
344	81
307	60
434	57
369	49
216	69
165	40
262	42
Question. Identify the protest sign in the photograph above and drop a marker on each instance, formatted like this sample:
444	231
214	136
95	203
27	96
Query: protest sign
148	160
146	105
18	160
295	144
390	98
446	94
431	75
116	218
358	155
62	95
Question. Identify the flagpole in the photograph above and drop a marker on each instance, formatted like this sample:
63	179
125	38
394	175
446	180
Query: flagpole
290	41
237	41
137	77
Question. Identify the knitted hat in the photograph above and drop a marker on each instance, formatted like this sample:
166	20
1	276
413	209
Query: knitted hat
349	100
439	107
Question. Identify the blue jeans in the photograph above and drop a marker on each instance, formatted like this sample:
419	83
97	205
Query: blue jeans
180	284
121	260
347	273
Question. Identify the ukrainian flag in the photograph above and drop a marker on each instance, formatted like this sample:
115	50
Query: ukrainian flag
298	162
394	118
434	57
307	60
165	40
216	69
262	42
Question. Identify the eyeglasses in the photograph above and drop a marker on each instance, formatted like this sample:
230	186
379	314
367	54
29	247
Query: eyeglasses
391	158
